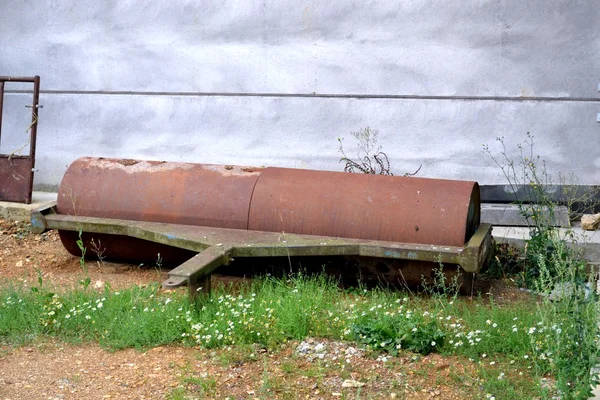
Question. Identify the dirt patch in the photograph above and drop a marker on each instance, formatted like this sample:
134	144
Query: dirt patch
25	257
58	371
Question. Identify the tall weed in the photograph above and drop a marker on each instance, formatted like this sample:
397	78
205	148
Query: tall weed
564	341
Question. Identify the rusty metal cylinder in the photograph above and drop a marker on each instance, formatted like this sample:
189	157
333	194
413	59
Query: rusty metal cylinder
179	193
373	207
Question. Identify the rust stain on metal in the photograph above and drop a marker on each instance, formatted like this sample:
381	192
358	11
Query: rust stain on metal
135	167
127	162
181	193
124	248
16	171
232	170
14	184
391	208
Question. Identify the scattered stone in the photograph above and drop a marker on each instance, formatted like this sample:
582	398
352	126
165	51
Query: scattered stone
311	350
319	348
590	222
65	382
332	351
350	383
350	351
19	263
303	348
569	289
547	383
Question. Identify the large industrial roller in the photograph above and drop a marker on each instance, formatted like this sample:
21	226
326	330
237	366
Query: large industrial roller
207	214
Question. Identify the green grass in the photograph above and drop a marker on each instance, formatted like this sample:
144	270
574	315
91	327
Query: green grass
269	312
132	318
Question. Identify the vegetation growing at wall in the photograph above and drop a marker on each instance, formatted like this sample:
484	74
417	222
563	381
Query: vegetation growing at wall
553	266
369	159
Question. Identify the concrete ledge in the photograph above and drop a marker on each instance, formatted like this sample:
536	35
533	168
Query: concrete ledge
503	214
22	212
588	241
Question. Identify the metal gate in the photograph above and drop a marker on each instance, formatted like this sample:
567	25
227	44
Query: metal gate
16	171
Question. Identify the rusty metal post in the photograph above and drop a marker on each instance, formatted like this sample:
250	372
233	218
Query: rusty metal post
25	79
33	130
1	106
34	118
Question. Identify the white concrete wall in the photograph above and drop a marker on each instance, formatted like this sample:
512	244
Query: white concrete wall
208	81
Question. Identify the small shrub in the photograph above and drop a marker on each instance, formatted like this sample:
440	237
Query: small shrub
370	159
390	334
423	339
